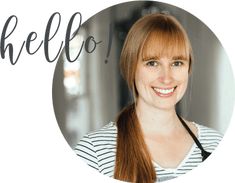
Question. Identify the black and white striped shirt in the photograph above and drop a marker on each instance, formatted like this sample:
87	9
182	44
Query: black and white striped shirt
98	149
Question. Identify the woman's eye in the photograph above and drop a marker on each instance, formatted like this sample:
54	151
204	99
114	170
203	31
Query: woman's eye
152	63
177	63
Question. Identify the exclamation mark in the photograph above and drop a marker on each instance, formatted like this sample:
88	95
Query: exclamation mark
110	41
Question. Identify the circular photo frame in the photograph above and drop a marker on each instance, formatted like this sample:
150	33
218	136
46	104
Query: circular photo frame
90	92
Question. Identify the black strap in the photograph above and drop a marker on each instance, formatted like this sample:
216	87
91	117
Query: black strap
204	153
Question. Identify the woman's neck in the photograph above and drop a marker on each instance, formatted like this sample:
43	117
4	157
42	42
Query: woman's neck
156	120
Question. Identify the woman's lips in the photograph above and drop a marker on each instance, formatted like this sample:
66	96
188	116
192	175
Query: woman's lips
164	92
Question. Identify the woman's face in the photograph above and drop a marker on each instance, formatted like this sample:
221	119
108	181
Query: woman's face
161	82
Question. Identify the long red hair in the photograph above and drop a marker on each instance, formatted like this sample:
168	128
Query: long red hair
133	160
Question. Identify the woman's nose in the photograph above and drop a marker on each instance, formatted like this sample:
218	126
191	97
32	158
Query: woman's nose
166	75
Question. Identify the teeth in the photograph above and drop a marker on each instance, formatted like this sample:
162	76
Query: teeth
164	91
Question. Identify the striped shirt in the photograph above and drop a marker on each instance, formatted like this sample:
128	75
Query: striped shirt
98	149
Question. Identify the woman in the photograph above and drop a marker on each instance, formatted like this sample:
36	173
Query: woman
149	142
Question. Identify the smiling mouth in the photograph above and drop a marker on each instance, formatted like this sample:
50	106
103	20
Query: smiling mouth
164	92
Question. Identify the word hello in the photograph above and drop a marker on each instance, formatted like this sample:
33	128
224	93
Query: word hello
7	47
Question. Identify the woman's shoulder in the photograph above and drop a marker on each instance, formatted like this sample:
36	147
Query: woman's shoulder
208	136
97	147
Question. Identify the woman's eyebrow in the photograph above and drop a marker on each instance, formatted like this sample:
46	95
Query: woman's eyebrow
150	58
178	58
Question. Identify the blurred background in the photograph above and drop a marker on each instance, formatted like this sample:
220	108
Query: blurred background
89	93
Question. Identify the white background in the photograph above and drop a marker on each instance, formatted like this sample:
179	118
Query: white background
32	148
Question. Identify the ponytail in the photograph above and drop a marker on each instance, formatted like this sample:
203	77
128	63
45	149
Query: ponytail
133	160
